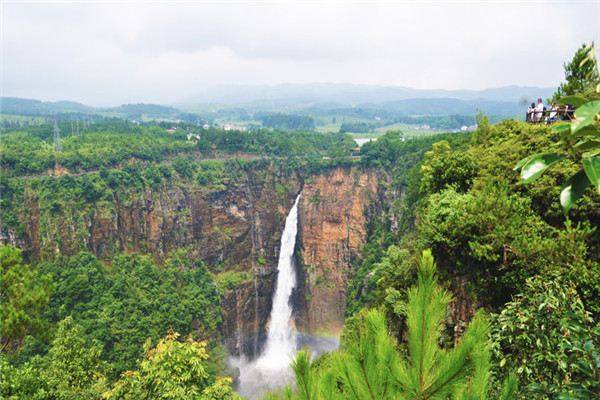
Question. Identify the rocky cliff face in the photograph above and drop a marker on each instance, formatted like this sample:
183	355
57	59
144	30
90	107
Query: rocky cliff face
333	219
234	226
227	227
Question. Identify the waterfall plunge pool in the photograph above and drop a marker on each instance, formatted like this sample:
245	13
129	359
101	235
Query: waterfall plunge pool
260	375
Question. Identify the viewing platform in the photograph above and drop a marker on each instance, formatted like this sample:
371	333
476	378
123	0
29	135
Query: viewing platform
550	116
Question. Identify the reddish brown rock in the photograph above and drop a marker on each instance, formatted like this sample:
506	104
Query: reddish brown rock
333	219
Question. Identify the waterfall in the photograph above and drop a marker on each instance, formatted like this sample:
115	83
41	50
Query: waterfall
281	334
272	369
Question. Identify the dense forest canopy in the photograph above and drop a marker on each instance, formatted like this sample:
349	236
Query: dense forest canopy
30	150
286	121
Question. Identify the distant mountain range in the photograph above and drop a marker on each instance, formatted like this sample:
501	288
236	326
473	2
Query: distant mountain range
30	107
353	94
325	99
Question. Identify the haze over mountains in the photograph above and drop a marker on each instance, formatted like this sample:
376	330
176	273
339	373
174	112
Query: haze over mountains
313	99
353	94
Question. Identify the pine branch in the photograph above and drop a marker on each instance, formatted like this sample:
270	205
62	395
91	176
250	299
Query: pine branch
509	388
433	392
371	368
427	305
349	381
422	346
362	363
301	367
387	354
396	379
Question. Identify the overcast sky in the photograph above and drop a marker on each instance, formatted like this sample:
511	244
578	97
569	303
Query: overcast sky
115	52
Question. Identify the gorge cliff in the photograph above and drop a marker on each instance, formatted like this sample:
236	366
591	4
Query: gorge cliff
233	224
334	216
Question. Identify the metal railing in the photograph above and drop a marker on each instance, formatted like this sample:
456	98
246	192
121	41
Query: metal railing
550	116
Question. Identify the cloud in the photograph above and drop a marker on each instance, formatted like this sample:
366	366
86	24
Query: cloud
115	52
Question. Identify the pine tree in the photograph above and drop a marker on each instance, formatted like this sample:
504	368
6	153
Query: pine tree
581	76
371	367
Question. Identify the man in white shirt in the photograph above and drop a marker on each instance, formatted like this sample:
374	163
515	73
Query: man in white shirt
539	110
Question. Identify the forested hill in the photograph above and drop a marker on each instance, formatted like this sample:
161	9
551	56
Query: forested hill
70	109
30	107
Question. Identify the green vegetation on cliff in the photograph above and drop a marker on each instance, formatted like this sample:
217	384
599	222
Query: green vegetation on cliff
505	246
29	150
121	305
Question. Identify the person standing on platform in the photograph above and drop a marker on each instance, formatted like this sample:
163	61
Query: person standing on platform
553	112
530	113
539	111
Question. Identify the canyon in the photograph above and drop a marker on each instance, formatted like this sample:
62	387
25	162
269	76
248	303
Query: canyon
233	227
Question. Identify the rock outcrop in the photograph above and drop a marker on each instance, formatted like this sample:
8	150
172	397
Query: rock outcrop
333	217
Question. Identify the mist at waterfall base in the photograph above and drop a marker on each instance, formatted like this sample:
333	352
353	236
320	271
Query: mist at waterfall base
271	370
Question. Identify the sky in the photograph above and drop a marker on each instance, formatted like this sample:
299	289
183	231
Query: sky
104	53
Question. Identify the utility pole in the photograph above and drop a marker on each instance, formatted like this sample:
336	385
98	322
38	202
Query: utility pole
57	144
71	125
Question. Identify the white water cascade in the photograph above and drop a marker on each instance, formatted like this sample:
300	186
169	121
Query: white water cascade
272	369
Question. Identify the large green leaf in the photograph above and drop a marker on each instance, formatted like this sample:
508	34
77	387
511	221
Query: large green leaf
589	130
592	170
537	164
573	100
572	190
586	145
591	153
561	128
585	115
521	163
564	130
